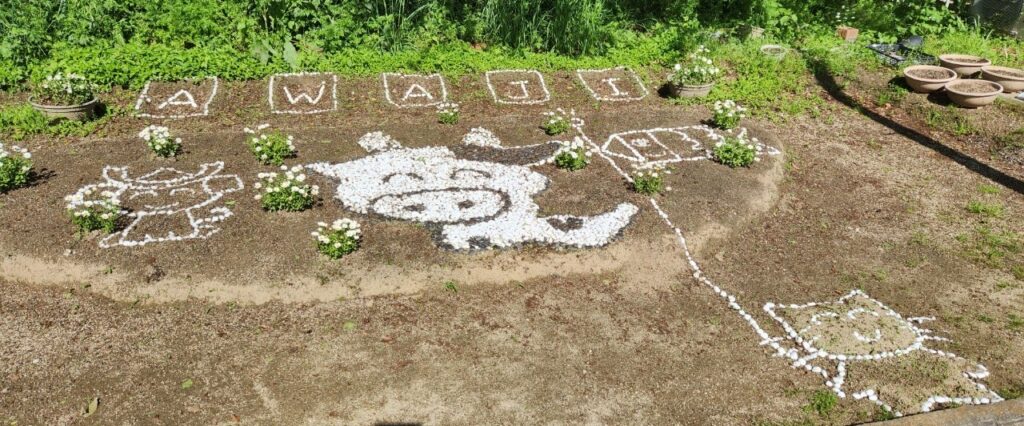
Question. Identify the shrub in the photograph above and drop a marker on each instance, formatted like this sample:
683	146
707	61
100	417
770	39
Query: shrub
160	141
573	156
271	148
90	215
20	121
649	179
448	113
699	70
63	89
286	191
557	122
337	239
736	151
15	167
727	114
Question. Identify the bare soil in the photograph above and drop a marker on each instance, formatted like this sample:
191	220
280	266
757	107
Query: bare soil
251	326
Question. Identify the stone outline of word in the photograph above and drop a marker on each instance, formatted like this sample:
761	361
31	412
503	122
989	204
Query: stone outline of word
510	216
596	96
118	186
732	301
540	77
836	382
291	100
434	101
675	157
144	96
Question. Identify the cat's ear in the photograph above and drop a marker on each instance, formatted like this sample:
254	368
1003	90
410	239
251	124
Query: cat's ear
378	142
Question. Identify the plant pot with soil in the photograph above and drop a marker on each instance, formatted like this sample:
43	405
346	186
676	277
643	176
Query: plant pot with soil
1012	79
774	51
928	78
696	78
63	95
965	65
973	93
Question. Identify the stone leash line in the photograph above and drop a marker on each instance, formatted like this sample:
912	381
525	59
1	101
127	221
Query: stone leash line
833	383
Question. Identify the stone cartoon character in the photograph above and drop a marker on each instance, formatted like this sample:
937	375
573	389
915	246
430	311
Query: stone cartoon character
485	201
859	333
166	204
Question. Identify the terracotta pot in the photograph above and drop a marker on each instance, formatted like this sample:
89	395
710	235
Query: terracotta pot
774	51
848	33
965	65
71	112
1012	79
917	78
973	93
688	91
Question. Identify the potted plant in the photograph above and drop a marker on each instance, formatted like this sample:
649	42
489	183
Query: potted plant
696	78
973	93
928	78
965	65
64	95
1012	79
774	51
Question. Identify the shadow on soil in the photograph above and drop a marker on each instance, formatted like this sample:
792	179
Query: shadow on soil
828	82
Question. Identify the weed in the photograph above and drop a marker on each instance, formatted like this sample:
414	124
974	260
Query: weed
1014	391
883	414
1008	143
893	93
990	247
822	402
986	319
1014	322
450	286
988	189
985	209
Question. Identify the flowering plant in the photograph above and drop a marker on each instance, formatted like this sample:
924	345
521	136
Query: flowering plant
736	151
89	215
649	179
337	239
727	114
572	156
160	141
557	122
271	148
448	113
699	70
64	89
286	191
15	165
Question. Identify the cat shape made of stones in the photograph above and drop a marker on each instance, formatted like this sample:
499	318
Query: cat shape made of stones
480	203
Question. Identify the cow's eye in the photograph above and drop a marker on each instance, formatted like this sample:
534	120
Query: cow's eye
187	191
413	176
469	174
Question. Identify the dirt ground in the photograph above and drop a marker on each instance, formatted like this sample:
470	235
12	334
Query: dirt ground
251	326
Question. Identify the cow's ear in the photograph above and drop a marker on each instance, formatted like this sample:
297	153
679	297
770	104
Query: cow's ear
223	184
115	174
378	142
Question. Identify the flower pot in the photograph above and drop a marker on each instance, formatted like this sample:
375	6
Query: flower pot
848	34
928	78
688	91
973	93
965	65
774	51
71	112
1012	79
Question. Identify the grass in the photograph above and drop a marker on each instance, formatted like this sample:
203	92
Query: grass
1015	391
893	93
1008	143
990	247
1014	322
949	119
21	121
822	402
985	209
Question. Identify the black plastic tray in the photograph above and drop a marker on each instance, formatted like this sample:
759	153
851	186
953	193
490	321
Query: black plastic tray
896	55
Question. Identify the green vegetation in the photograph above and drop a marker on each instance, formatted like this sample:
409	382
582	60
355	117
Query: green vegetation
822	402
20	121
985	209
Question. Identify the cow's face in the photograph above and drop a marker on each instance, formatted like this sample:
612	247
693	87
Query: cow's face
163	199
431	185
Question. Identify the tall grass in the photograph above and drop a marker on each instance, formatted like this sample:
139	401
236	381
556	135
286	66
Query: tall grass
573	27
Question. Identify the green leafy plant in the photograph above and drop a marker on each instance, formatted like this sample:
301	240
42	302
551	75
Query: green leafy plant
15	167
448	113
650	179
699	70
985	209
727	114
63	89
160	141
736	151
90	214
557	122
822	403
286	191
337	239
271	148
573	156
